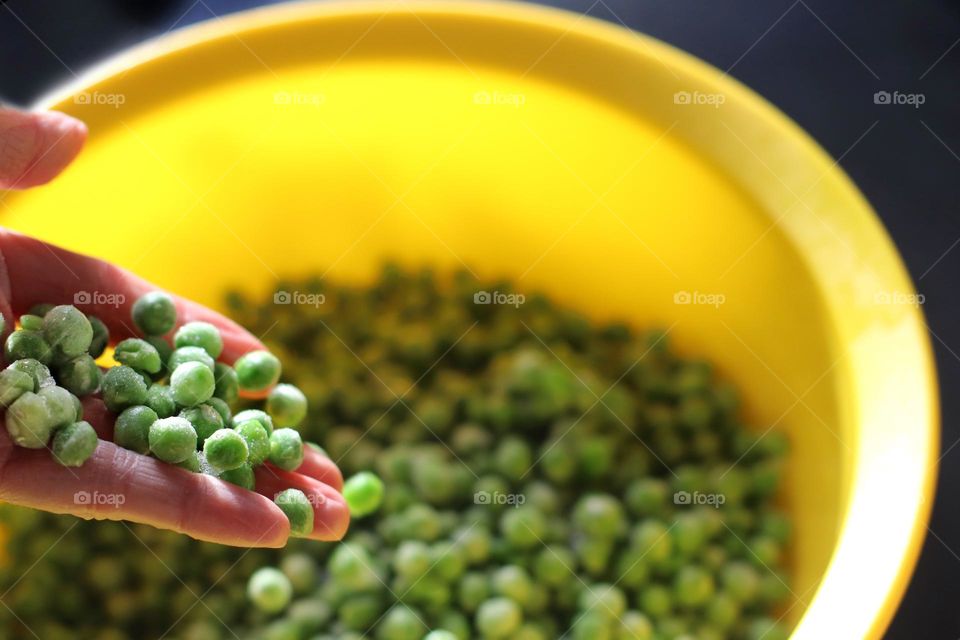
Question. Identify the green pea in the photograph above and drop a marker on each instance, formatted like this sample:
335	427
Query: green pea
132	428
189	354
206	421
286	449
81	375
287	405
269	590
154	313
225	449
138	354
411	559
172	439
254	414
242	476
222	408
656	600
30	322
693	586
67	328
227	388
192	383
363	493
13	384
199	334
512	582
297	508
401	623
100	339
160	399
23	344
523	527
257	370
600	515
74	444
37	371
440	634
498	618
122	387
60	405
29	422
258	442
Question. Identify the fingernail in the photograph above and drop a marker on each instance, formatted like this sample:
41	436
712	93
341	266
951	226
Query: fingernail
36	147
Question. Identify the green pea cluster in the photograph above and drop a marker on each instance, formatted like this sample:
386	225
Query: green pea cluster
176	402
50	365
543	477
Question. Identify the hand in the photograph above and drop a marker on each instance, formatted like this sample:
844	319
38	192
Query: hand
115	483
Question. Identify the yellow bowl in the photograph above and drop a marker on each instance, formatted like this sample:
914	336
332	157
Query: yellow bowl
618	174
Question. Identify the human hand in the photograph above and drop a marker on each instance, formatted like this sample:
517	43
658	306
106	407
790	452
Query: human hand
115	483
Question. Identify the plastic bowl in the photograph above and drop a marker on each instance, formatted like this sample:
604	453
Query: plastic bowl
616	173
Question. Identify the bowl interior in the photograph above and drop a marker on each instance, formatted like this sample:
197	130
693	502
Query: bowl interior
516	143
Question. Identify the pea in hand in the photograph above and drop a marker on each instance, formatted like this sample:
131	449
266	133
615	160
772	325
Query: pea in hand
93	464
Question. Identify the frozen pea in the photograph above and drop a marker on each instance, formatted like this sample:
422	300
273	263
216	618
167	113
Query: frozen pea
600	515
13	384
363	493
31	322
81	375
287	405
137	354
132	428
227	388
440	634
258	442
122	387
242	476
257	370
498	618
299	511
160	399
23	344
100	339
302	571
693	586
222	408
189	354
192	463
60	405
254	414
269	590
199	334
205	420
154	313
192	383
29	422
286	449
37	371
74	444
67	328
225	449
172	439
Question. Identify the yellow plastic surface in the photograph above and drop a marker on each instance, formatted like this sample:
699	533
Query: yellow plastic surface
551	148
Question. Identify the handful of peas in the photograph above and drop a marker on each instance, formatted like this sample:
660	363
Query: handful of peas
174	402
540	481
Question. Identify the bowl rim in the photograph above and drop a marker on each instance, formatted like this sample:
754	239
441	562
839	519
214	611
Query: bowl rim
603	33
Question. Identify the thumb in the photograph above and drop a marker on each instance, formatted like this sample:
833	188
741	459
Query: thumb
35	147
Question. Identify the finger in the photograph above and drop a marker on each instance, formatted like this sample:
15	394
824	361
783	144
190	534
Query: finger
331	517
116	484
99	417
320	467
39	272
36	147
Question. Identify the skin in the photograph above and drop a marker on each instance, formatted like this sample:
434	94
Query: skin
34	148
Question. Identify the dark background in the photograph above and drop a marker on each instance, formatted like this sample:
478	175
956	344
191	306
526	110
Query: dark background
820	61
